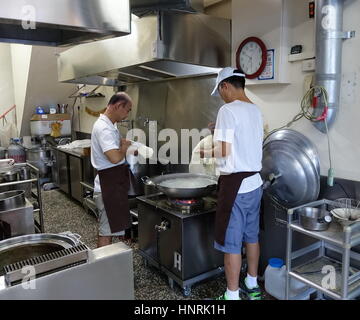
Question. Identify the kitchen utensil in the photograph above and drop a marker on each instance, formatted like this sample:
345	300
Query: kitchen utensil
346	216
12	199
6	165
314	219
290	175
10	176
299	140
183	185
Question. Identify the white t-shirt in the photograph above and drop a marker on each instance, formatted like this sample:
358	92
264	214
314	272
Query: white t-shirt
104	137
241	124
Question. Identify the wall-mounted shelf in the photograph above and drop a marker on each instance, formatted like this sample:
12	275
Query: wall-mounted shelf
301	56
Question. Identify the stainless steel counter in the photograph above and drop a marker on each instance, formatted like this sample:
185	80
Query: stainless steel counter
77	152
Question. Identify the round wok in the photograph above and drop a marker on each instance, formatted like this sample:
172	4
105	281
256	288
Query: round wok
183	192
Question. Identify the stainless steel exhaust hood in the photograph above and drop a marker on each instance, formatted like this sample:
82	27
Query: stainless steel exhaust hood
160	47
63	22
143	7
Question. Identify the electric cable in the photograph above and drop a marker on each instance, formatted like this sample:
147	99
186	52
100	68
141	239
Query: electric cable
307	102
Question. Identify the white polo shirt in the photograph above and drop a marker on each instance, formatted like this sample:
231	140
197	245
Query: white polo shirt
241	124
105	136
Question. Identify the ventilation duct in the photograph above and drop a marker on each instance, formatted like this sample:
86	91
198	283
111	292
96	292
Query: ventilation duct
329	40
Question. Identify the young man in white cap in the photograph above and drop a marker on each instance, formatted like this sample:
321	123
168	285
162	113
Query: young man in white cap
238	141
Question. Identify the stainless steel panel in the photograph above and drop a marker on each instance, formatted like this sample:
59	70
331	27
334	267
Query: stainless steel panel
75	169
63	169
63	22
141	7
179	104
79	283
89	171
160	47
185	248
19	221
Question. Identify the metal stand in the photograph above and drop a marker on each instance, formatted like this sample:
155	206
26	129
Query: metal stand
39	225
185	285
328	265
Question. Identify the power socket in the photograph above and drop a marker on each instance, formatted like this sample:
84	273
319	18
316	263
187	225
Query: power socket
308	65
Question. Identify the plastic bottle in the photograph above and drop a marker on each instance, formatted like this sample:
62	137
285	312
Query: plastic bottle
275	280
16	151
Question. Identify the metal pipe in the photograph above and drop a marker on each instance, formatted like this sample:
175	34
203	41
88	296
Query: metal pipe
329	38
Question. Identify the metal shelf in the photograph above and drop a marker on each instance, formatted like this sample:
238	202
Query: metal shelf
337	238
334	234
311	274
39	225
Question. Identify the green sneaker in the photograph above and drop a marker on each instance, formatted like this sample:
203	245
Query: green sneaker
252	294
224	297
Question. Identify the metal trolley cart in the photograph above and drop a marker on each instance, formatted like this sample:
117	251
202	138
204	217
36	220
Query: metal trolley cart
333	249
31	182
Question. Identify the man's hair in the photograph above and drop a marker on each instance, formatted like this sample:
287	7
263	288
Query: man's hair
236	81
119	97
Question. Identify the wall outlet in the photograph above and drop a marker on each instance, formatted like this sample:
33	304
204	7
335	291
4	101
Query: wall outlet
308	65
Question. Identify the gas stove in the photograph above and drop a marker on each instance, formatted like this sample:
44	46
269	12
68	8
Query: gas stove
177	236
181	207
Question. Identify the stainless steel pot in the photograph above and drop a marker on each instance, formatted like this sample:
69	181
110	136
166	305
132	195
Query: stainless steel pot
12	199
9	176
207	184
39	157
314	219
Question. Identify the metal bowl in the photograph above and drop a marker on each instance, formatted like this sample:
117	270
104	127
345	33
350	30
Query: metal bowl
313	218
12	199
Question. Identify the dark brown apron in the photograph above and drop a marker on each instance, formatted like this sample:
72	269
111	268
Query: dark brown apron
228	187
115	184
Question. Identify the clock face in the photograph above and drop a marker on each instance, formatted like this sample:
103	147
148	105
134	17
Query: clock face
251	57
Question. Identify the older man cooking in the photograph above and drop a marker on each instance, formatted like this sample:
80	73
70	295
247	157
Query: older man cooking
108	156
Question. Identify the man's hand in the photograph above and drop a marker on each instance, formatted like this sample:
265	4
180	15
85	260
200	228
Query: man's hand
211	126
117	155
125	144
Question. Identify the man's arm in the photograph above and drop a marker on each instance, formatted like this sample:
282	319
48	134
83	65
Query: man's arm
222	149
117	155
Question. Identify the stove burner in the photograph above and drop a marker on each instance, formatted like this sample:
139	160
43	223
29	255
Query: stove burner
187	205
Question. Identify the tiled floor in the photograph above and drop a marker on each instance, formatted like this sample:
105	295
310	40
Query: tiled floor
62	214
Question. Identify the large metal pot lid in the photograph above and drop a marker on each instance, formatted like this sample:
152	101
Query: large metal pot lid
299	140
295	180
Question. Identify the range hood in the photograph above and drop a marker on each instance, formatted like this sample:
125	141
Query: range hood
143	7
63	22
164	46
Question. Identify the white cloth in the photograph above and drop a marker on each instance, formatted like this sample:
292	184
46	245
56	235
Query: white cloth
86	143
240	124
104	137
205	165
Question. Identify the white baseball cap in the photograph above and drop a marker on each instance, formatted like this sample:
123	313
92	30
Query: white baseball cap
224	74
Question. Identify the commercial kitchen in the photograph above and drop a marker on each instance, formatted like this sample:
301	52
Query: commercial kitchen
60	65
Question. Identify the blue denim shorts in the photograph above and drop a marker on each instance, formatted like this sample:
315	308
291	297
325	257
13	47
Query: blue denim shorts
244	222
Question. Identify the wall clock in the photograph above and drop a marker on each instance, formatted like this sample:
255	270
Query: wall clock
251	57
